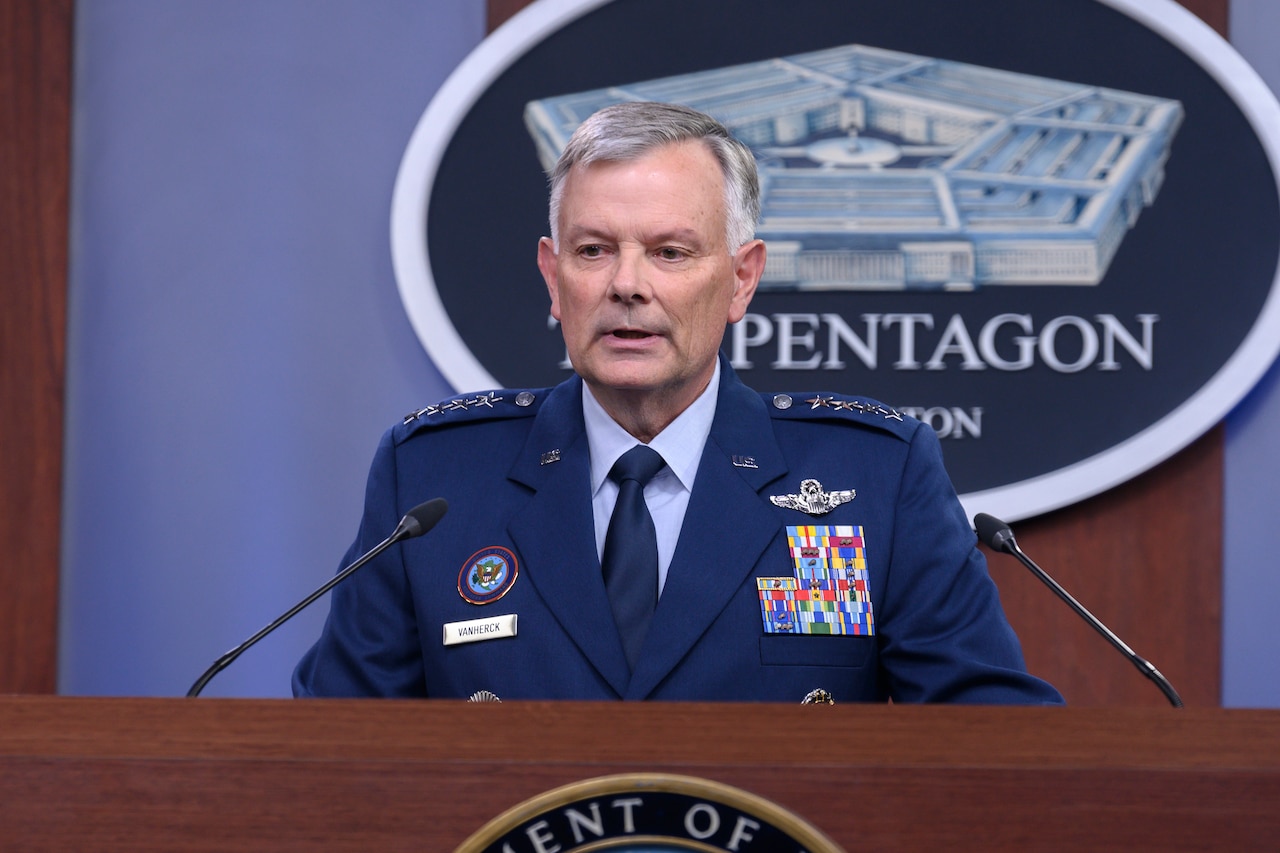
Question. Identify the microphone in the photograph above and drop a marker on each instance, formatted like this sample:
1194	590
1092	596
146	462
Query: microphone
416	522
999	537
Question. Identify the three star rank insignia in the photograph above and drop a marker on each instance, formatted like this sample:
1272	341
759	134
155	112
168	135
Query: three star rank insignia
828	593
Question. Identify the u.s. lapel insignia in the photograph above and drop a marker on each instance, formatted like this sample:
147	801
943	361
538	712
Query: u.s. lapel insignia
549	457
744	462
813	499
487	575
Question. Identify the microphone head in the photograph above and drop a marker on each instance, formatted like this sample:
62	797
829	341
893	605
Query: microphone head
994	533
422	518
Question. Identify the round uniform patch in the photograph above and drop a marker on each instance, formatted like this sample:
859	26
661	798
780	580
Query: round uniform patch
487	575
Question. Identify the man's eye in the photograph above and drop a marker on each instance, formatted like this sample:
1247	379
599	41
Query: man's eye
591	251
667	253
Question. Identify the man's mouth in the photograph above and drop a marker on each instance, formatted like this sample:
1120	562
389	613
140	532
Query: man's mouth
631	334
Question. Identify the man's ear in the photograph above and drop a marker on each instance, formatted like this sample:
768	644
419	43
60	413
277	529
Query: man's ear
547	266
748	266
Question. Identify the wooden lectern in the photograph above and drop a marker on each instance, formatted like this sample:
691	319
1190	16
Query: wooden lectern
232	774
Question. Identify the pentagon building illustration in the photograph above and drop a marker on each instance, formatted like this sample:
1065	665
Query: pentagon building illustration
886	170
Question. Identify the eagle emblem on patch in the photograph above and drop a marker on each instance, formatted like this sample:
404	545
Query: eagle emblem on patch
487	575
813	499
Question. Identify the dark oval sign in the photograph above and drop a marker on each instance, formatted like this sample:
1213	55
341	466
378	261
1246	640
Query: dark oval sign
1052	237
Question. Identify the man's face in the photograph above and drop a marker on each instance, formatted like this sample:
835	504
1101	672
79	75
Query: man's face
643	283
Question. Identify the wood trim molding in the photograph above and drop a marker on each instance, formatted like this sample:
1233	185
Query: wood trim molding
35	157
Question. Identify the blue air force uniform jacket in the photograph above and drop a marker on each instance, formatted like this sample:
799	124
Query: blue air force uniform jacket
519	538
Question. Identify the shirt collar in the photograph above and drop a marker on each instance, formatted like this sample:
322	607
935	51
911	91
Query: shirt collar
680	443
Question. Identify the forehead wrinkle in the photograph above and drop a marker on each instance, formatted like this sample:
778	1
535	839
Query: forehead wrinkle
654	235
648	200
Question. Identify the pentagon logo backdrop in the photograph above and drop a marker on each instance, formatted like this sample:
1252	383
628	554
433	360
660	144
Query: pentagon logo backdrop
1049	230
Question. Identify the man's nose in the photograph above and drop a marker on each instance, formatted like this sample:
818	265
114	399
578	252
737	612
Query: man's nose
630	280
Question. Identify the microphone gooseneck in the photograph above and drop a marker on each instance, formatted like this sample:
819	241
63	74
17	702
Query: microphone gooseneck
416	522
998	536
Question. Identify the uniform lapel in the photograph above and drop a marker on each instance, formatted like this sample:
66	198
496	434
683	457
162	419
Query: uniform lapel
555	533
726	529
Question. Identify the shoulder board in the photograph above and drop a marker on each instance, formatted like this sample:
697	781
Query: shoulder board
474	408
819	406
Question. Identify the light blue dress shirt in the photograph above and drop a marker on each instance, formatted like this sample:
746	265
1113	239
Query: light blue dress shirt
667	494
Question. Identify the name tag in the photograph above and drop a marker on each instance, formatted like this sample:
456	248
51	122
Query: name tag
474	630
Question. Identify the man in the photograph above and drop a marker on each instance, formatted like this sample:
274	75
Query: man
789	546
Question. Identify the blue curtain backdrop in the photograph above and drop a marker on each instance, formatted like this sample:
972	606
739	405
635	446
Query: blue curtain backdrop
1251	536
237	343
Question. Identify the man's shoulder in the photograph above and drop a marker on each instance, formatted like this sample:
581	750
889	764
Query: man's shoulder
826	407
482	407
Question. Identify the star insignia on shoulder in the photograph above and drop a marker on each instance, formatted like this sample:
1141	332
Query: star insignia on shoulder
458	404
426	411
813	499
485	400
492	400
828	401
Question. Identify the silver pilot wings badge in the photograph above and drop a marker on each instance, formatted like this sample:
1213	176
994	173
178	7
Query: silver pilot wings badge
813	499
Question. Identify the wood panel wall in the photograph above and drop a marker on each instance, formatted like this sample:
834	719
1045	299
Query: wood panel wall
35	110
1146	556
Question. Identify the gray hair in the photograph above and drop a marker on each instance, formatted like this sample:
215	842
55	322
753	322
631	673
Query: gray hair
629	131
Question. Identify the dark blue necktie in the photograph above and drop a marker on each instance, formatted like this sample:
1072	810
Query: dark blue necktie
630	559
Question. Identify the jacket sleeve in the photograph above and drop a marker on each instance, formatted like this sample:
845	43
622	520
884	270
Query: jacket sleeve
944	635
369	645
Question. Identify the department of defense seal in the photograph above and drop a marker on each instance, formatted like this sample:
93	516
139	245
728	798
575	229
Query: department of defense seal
646	812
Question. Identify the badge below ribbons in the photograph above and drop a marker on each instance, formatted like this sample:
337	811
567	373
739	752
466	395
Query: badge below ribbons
828	594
